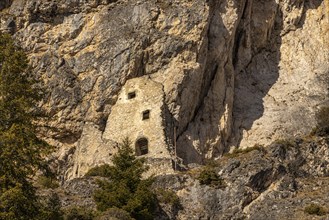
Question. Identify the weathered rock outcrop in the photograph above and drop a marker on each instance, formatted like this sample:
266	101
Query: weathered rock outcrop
276	182
234	72
286	78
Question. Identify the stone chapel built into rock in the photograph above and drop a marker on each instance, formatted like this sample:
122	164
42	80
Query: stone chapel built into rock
138	114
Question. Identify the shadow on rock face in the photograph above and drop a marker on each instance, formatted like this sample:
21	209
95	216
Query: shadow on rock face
5	4
261	41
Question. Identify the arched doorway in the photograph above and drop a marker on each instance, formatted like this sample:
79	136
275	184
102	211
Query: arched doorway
141	146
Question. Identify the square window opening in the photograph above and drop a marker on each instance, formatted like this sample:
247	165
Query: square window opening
131	95
146	114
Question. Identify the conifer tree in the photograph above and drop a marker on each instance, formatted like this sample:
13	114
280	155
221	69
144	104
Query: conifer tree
21	151
125	188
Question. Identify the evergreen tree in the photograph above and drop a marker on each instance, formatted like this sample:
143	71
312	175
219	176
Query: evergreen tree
21	151
125	188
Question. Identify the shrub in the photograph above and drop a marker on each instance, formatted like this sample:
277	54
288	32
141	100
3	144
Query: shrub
114	214
208	176
52	208
78	213
102	170
168	197
17	202
315	209
237	152
48	182
210	162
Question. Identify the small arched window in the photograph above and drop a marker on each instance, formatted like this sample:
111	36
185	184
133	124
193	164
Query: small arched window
141	146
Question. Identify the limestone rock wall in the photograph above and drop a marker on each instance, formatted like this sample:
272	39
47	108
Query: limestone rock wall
234	72
286	78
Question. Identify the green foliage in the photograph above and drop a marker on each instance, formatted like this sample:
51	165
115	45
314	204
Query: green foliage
102	170
114	214
315	209
210	162
168	197
51	208
78	213
237	152
18	203
48	182
21	151
208	176
125	188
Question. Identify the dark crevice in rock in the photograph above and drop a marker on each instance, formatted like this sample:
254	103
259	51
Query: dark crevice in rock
5	4
261	180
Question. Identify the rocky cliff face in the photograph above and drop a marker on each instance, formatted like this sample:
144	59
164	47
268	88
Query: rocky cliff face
276	182
285	81
234	72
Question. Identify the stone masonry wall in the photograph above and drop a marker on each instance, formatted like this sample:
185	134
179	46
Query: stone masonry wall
126	120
